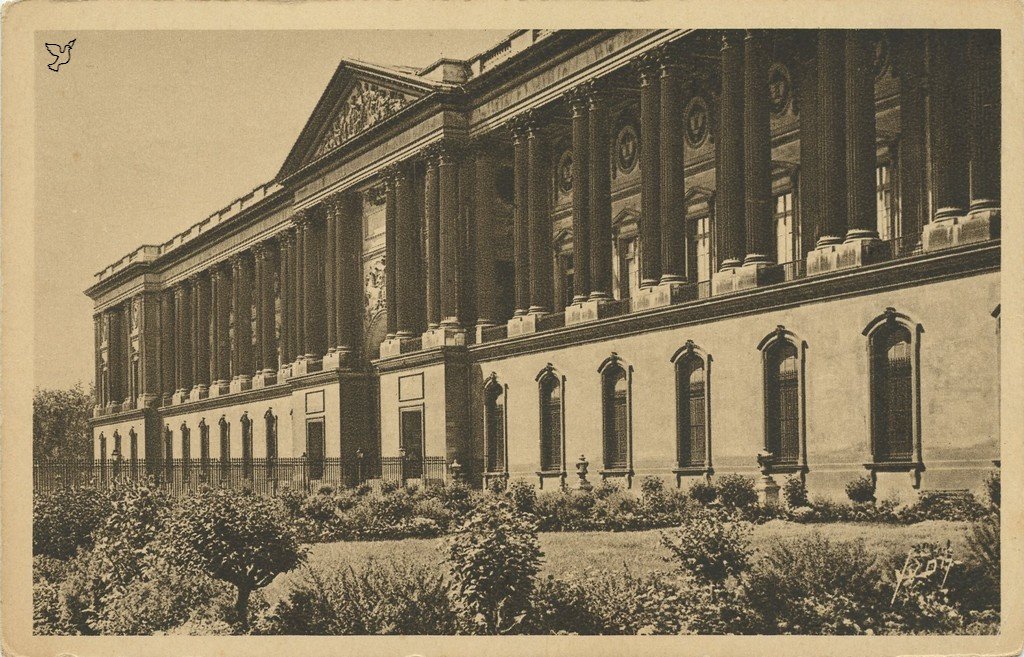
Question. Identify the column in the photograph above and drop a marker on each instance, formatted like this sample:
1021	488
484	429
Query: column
406	247
910	67
241	278
168	381
299	270
149	347
983	57
330	267
390	256
650	174
259	257
810	171
729	197
286	279
757	149
312	281
130	384
861	158
432	229
581	200
265	362
950	173
672	208
831	138
349	287
221	307
485	242
201	331
521	223
97	359
541	274
450	231
183	315
600	205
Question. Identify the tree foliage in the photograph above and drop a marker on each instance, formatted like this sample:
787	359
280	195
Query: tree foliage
60	422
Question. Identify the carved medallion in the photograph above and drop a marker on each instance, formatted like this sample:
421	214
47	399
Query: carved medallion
565	172
365	106
627	147
697	122
780	88
375	288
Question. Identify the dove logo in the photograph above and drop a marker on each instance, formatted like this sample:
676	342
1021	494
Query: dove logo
62	54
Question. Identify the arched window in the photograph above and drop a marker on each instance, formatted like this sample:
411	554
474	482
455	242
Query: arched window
693	411
204	450
133	447
616	421
103	458
894	352
494	427
551	389
784	423
225	448
186	453
168	453
246	446
270	422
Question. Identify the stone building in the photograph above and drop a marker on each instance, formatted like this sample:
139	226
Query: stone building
665	252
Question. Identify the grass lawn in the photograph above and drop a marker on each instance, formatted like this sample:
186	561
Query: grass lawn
638	551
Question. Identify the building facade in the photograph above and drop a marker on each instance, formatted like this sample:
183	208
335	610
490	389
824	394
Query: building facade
676	253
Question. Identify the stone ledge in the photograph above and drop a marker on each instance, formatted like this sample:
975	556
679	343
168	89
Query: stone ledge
978	226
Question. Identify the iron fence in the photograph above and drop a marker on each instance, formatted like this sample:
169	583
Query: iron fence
264	476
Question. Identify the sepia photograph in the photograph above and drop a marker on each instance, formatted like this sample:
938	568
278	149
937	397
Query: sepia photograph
630	330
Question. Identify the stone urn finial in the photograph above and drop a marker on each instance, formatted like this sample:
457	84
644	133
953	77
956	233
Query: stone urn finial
581	471
456	469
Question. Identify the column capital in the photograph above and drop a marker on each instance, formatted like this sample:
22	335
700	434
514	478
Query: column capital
517	125
390	174
301	216
732	39
260	250
647	66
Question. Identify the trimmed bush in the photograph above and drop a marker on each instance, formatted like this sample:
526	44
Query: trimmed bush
703	491
861	490
736	492
708	548
993	488
523	496
493	560
64	521
245	540
795	493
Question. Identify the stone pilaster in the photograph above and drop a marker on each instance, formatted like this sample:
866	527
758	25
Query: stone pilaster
650	174
541	274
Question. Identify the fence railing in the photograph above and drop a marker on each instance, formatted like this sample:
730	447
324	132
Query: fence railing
264	476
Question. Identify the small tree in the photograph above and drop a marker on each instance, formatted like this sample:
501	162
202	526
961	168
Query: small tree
243	539
60	422
494	559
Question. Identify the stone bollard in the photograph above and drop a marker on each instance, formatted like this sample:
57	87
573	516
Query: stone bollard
767	491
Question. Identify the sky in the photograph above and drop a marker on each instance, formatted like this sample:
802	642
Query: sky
144	133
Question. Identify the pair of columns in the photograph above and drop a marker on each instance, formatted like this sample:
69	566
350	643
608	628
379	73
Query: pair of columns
439	240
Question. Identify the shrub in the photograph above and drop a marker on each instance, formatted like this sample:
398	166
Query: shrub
707	548
565	510
861	490
703	491
736	492
292	500
64	520
816	586
993	488
493	560
944	506
48	612
795	493
523	496
245	540
378	598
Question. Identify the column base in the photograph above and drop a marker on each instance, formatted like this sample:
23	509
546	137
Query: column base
199	391
444	336
745	277
767	491
663	294
337	359
977	226
588	311
128	404
240	383
179	397
523	324
147	400
264	378
854	252
306	365
97	411
391	347
219	387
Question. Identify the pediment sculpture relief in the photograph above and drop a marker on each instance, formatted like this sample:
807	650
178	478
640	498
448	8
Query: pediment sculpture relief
365	106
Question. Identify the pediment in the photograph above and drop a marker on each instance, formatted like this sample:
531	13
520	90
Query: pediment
358	98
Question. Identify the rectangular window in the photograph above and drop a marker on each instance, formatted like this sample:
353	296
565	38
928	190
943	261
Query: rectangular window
627	268
888	224
700	248
315	448
411	437
787	234
568	278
